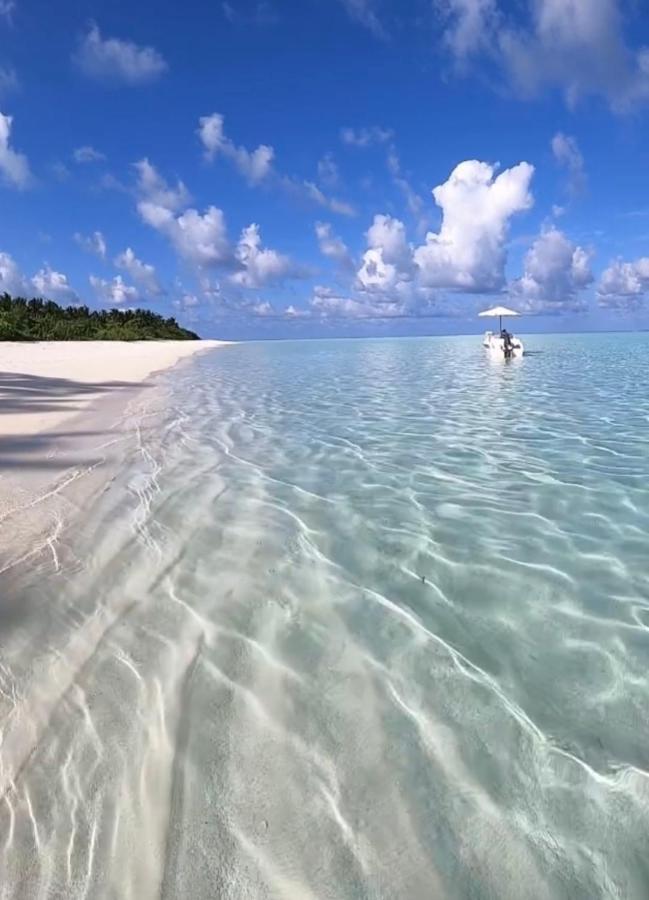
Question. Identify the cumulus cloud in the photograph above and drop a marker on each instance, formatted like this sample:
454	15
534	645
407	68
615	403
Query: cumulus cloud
199	238
555	272
114	291
365	137
115	60
259	266
623	285
87	154
332	246
263	309
12	280
387	265
567	154
153	188
54	285
468	252
395	278
255	165
14	167
577	46
142	273
45	283
94	243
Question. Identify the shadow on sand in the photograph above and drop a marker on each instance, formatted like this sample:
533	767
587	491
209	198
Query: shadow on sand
55	450
20	393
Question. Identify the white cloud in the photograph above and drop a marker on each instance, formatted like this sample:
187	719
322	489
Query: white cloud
577	46
468	253
389	236
12	281
115	291
329	303
94	243
365	137
54	285
387	265
8	80
332	246
363	12
623	285
295	312
152	187
567	154
14	167
255	165
46	282
555	272
198	238
141	272
472	22
264	308
87	154
112	59
259	266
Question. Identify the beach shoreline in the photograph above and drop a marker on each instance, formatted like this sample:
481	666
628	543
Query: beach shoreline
65	422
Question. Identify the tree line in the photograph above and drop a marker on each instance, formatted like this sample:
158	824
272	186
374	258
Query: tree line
44	320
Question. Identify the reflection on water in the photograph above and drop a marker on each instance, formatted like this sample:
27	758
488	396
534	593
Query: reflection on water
359	619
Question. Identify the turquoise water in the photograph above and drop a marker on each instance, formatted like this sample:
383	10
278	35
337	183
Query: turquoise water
356	619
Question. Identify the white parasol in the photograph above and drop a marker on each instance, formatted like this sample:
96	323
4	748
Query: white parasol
499	311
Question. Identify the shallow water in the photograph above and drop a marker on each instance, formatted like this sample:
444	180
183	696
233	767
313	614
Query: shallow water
355	619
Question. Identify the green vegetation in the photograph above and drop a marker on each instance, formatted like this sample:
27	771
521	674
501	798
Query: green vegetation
44	320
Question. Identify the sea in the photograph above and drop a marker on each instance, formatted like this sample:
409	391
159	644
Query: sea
361	619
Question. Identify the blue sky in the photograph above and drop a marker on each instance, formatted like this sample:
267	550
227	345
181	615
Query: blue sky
329	167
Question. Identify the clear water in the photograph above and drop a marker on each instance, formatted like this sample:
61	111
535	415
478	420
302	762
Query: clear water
356	619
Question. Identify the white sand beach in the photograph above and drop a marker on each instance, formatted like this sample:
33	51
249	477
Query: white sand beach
47	382
63	422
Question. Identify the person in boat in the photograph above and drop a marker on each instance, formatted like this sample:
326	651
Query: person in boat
508	344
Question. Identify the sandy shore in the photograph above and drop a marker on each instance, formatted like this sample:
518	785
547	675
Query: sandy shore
64	421
42	384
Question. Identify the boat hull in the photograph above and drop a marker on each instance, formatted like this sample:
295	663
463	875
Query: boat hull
495	346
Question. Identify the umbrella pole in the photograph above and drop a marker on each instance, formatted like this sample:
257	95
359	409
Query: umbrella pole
500	324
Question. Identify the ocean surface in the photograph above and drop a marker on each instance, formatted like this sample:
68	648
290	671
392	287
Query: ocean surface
351	619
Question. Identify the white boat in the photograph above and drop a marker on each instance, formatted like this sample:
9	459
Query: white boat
501	344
